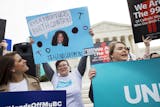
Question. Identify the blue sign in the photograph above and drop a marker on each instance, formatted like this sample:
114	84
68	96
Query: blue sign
9	42
33	99
127	84
60	35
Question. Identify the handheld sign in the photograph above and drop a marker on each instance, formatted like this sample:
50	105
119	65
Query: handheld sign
99	53
127	84
60	35
33	99
145	18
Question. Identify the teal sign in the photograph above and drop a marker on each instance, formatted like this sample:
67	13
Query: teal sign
127	84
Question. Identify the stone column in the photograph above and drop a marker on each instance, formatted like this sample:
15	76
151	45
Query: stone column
118	38
110	38
122	39
127	42
114	38
106	39
131	39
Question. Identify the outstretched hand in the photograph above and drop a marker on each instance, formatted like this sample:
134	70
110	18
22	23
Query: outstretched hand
146	41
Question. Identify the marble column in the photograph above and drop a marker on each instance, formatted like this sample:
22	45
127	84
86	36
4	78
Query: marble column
127	42
131	39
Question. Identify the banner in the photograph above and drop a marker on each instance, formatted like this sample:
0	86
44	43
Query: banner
127	84
60	35
98	54
33	99
145	18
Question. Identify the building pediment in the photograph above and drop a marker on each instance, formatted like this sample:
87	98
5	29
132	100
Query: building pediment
110	27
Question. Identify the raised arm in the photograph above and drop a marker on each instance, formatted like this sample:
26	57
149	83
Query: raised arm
83	61
146	42
90	95
82	65
48	71
92	73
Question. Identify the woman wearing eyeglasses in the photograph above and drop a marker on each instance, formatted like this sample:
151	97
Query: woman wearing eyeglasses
66	79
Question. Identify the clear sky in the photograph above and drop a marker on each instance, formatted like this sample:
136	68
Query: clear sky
99	10
15	12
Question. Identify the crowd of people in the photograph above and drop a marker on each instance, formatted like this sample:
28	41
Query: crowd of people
14	78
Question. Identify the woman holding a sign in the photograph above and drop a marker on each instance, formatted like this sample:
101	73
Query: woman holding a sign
13	77
117	52
65	79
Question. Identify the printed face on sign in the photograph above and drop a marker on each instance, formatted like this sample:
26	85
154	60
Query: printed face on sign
60	37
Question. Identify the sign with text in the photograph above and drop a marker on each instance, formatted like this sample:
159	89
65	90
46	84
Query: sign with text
60	35
33	99
127	84
145	18
98	54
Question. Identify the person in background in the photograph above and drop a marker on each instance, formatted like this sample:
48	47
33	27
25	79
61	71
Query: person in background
154	55
147	54
13	77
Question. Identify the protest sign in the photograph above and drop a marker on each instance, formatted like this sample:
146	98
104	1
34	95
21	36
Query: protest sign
60	35
99	53
127	84
145	18
33	99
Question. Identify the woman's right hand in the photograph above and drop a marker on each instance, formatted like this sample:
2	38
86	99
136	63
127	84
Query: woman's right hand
92	73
